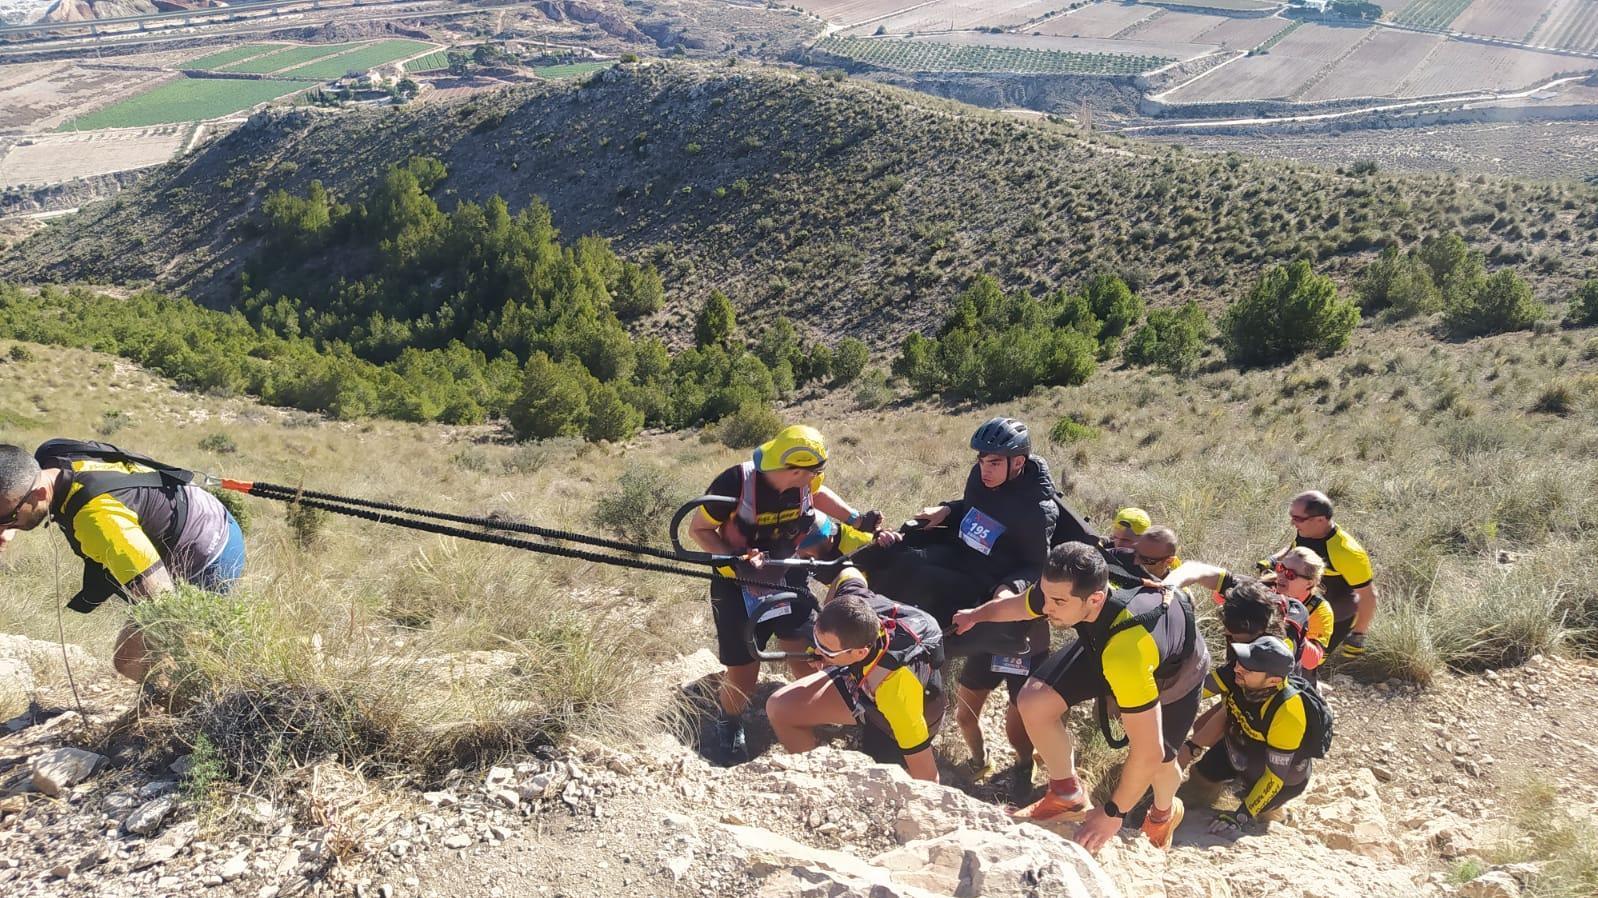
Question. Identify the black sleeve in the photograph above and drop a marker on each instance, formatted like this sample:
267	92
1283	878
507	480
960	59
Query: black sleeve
1034	550
727	483
98	587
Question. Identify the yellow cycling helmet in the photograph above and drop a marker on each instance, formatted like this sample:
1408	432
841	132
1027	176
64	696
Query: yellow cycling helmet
795	446
1134	519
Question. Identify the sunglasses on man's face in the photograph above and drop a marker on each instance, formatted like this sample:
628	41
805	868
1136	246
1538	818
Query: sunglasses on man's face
1149	560
816	650
16	510
1287	574
1301	518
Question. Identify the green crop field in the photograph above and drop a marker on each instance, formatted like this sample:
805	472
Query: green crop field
438	59
1431	13
571	70
183	100
358	59
232	55
920	56
288	56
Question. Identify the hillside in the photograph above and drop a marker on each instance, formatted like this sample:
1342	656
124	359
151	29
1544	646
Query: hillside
852	207
565	676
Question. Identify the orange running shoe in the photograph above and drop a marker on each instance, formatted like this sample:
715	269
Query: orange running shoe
1056	805
1161	833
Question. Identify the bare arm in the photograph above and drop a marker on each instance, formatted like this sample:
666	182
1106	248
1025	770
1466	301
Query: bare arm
828	501
1366	612
1194	573
1143	760
707	533
152	582
1006	607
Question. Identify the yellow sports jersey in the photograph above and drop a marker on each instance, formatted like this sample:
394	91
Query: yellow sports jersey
1272	753
1130	657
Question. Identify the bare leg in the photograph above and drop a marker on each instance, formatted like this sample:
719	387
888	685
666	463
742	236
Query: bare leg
968	714
797	709
798	668
130	657
1015	731
1167	779
1042	712
737	684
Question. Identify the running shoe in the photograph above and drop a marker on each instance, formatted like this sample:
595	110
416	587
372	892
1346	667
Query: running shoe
1160	833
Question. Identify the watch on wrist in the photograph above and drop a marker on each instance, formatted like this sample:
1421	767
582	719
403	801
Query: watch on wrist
1111	809
1194	749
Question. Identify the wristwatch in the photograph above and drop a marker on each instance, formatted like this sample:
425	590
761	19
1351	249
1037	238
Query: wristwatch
1195	750
1111	809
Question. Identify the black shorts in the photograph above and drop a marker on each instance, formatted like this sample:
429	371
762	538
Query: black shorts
727	606
1077	674
1216	766
877	740
980	675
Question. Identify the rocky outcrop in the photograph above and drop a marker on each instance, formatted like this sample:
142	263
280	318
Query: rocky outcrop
89	10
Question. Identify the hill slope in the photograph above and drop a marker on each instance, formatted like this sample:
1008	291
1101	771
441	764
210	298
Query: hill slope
850	206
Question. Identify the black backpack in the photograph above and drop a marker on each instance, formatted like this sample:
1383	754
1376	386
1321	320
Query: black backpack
1148	620
1318	727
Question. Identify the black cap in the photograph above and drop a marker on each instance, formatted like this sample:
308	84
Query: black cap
1267	655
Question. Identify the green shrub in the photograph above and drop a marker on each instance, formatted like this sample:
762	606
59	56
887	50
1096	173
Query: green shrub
715	324
1068	430
111	421
1583	308
849	360
1171	338
749	425
1114	304
219	443
873	391
1400	282
305	524
20	353
1291	311
641	507
610	418
1500	303
552	402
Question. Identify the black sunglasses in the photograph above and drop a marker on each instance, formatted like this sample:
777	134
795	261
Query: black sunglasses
16	509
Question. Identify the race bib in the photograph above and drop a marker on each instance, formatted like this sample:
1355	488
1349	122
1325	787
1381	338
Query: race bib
1010	664
979	531
775	611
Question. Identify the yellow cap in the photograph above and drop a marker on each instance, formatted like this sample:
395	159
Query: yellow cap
1134	519
795	446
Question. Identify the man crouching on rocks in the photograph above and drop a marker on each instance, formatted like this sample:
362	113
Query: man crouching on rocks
879	665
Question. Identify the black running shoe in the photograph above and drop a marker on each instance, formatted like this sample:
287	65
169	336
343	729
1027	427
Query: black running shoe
730	740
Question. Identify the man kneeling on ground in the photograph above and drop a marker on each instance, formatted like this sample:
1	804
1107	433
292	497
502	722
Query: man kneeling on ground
880	665
1266	736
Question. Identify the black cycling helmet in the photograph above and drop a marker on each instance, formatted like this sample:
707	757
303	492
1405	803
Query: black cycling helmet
1002	436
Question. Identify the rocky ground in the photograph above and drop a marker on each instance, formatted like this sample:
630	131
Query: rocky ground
94	803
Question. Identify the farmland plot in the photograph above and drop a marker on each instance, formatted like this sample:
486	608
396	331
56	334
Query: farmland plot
1276	75
1431	13
359	59
1375	68
1239	5
929	56
1459	67
1571	25
184	100
852	12
1509	19
438	59
1242	34
1098	20
54	158
287	57
962	15
1177	26
1069	44
232	55
41	97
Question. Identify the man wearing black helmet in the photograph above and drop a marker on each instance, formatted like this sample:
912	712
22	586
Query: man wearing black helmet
995	537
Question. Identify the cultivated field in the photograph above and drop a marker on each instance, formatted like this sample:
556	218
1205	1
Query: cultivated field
1456	67
1243	34
1431	13
1512	20
929	56
357	59
1179	26
1571	25
232	55
39	97
1057	44
570	70
438	59
185	100
960	15
54	158
1098	20
288	57
1239	5
1376	67
1276	75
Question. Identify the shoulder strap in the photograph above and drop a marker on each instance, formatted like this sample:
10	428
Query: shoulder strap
746	493
91	485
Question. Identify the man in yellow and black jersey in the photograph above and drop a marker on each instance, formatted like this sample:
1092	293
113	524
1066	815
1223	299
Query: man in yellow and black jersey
775	495
880	667
1294	580
1139	648
138	525
1263	734
1348	580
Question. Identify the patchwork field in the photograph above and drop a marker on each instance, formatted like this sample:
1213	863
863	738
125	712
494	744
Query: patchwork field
570	70
53	158
961	15
1098	20
1375	67
39	97
1178	26
930	56
232	55
1057	44
356	59
1242	34
1276	75
1512	20
1571	25
1239	5
185	100
1431	13
1457	67
438	59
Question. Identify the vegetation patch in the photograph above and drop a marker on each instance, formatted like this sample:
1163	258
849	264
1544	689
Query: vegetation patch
184	100
927	56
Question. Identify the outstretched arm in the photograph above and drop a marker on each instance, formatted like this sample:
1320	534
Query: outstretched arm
1007	606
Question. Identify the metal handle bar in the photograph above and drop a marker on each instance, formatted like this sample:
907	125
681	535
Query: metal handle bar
764	605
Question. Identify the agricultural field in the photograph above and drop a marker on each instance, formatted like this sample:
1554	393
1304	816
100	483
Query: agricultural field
959	15
1459	67
232	55
927	56
1098	20
40	96
1243	34
288	57
1511	20
571	69
1179	26
1275	75
1237	5
359	59
54	158
1069	44
1376	67
185	100
1436	14
1570	25
438	59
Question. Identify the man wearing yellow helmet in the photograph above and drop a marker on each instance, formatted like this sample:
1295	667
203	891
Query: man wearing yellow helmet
777	493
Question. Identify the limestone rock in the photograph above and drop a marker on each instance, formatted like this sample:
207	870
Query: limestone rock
149	816
56	771
1496	884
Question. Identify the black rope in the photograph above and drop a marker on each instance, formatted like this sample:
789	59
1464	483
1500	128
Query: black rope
290	494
